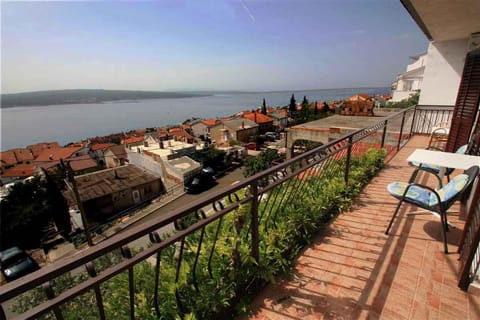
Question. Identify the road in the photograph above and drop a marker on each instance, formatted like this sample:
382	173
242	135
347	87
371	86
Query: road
223	182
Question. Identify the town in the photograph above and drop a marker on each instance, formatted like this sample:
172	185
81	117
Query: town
114	177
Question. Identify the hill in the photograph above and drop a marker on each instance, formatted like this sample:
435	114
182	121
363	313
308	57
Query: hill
71	96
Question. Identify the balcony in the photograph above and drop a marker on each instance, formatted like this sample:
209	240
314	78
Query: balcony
354	271
205	259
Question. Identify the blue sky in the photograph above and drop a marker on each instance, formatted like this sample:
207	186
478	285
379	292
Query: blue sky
201	45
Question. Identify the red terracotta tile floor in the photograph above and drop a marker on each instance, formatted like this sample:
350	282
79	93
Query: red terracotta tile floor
355	271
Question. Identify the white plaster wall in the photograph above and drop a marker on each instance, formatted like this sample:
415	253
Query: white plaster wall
417	64
443	71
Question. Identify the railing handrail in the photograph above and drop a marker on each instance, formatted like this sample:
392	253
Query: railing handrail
49	272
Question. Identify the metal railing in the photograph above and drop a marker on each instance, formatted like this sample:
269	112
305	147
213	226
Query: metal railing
211	244
427	117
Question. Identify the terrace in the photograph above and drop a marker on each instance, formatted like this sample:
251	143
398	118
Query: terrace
229	245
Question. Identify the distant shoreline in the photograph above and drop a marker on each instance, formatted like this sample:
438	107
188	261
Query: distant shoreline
85	96
93	96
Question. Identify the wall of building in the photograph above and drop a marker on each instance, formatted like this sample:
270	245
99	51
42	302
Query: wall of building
443	72
143	161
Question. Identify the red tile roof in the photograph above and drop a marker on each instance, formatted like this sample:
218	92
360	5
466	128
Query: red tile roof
20	170
257	117
57	154
8	157
23	154
36	149
132	140
101	146
82	162
209	122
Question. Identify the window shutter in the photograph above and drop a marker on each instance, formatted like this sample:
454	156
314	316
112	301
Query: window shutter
464	120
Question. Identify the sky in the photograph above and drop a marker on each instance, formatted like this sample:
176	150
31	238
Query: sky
205	45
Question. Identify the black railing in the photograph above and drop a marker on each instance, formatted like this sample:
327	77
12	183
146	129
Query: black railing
208	251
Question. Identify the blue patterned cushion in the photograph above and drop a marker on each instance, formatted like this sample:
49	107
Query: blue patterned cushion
425	197
462	149
453	187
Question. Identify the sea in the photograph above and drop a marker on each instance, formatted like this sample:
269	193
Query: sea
22	126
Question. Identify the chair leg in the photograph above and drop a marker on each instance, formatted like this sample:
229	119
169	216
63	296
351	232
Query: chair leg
393	217
443	218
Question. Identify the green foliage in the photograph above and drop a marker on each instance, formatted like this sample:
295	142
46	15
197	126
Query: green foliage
259	163
233	142
27	209
405	103
290	215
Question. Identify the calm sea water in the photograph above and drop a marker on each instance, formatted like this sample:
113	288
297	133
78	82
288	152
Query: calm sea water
22	126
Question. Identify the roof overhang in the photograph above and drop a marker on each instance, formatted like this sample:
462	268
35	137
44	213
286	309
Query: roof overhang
443	20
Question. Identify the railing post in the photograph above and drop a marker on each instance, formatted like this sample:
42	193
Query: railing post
401	132
413	119
384	134
254	222
347	163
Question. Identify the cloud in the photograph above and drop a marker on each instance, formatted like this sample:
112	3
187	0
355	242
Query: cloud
248	11
358	31
403	36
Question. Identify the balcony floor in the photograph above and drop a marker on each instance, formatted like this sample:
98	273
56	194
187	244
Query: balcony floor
355	271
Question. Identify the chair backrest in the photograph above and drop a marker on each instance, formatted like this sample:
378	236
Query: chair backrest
453	190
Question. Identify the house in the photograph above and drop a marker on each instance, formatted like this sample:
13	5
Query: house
239	129
452	64
265	123
410	81
180	134
360	97
115	156
97	151
280	119
107	192
19	171
202	127
38	148
82	164
11	158
169	149
49	157
132	141
7	159
357	108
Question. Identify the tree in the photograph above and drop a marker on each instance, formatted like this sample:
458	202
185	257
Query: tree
259	163
292	107
325	108
264	107
29	208
24	214
305	101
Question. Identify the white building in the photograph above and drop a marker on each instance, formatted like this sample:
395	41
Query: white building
410	81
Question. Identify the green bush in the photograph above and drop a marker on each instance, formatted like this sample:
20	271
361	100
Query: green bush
219	285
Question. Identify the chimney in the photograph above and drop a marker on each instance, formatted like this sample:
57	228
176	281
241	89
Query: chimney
255	117
161	143
243	124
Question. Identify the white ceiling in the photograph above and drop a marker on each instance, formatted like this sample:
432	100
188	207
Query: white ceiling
447	19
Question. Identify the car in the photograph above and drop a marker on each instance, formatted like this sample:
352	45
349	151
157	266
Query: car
201	182
251	146
15	263
271	136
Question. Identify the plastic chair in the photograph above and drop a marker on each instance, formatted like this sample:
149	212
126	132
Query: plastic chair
438	201
439	136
